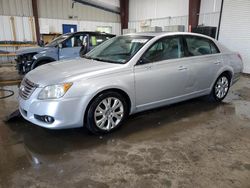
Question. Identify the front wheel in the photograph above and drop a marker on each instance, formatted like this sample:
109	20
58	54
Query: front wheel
106	113
221	88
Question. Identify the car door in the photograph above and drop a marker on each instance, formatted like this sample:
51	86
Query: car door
204	61
160	75
71	47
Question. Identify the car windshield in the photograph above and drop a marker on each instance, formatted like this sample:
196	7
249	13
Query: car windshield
58	40
118	49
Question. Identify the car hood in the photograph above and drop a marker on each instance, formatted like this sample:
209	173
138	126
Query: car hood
70	71
30	50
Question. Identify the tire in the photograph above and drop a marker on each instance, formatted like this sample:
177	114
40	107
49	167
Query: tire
220	88
106	113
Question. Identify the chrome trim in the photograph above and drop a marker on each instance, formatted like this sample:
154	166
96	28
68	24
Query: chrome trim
27	88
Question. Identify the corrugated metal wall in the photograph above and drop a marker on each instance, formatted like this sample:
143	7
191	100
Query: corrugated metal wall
55	25
16	8
153	9
23	27
52	13
158	12
111	2
161	22
210	12
235	25
62	9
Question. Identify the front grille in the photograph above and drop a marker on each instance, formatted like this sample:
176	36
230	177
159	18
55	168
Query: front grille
27	88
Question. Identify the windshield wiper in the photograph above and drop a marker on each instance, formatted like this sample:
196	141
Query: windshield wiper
93	58
115	54
87	57
105	60
100	59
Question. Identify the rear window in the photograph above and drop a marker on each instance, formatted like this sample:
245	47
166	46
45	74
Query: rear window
197	46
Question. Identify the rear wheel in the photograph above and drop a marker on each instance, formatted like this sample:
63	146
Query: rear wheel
106	113
221	88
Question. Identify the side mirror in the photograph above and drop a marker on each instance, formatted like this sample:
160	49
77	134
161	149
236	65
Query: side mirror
41	43
142	61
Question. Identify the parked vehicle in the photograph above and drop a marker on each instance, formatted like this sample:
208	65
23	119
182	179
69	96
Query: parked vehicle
125	75
66	46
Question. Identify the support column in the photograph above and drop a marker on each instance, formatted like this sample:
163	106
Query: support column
221	10
194	10
35	14
124	4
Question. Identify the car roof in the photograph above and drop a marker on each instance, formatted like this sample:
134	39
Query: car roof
162	34
91	32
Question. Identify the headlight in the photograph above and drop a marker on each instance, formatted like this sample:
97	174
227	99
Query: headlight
54	91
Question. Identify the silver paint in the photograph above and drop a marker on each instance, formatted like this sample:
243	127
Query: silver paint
148	86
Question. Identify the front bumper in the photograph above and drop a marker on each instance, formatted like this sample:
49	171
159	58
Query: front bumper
22	66
67	112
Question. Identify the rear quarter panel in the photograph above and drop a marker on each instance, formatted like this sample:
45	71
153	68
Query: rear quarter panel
233	60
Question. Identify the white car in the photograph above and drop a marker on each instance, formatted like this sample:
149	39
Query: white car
125	75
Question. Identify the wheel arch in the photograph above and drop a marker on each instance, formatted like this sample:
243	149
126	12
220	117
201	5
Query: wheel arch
41	59
227	70
114	89
228	73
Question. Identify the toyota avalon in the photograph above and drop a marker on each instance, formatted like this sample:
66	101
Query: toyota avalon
125	75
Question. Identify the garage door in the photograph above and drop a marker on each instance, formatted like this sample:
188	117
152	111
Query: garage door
235	28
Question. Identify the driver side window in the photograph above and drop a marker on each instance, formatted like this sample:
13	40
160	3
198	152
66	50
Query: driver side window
164	49
75	41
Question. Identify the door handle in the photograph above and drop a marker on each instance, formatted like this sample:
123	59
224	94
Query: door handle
182	68
148	67
217	62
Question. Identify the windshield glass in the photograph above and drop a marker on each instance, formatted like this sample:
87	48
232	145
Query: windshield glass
118	49
58	40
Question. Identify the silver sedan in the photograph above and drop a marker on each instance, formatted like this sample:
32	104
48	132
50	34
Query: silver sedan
125	75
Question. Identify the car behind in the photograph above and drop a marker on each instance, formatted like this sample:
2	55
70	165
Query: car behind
66	46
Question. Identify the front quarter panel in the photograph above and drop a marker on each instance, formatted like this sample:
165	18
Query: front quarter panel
122	80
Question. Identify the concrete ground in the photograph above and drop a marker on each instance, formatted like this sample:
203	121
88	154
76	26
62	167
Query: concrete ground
191	144
9	75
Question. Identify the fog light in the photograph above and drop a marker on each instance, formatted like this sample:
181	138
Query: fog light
48	119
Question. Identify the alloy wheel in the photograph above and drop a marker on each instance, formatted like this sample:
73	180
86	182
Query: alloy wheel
221	87
108	113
